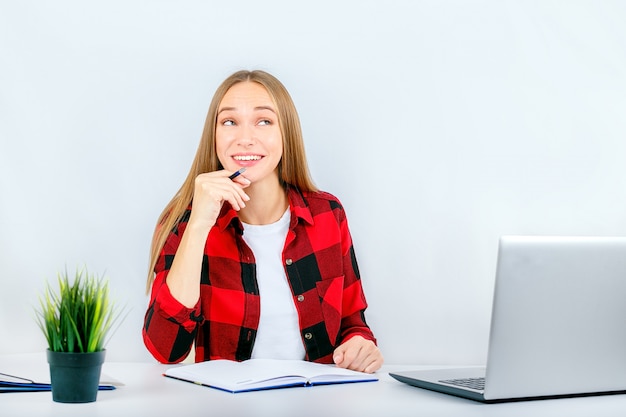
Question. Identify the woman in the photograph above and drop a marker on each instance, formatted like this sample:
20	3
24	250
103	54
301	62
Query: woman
261	265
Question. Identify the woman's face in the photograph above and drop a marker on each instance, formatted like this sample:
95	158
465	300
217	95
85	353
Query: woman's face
247	133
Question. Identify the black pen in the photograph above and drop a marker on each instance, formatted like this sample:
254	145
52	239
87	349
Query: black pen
237	173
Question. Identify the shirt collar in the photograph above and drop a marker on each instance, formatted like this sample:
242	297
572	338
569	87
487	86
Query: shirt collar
297	204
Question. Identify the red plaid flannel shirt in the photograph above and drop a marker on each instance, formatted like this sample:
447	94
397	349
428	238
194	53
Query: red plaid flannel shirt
321	268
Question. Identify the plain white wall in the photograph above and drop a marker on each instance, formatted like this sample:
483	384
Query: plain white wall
440	124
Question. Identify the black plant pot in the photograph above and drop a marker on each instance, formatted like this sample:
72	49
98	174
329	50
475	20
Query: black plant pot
75	376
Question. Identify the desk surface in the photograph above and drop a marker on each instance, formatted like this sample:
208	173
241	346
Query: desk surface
147	393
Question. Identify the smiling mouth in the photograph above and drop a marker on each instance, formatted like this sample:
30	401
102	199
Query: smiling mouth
247	157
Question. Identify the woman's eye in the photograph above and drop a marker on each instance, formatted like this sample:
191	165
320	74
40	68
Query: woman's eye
265	122
228	123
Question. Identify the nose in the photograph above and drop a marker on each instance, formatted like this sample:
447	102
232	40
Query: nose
246	137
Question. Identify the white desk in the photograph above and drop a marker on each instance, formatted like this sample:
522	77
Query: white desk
148	393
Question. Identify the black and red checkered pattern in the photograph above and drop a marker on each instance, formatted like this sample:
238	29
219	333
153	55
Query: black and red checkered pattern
321	267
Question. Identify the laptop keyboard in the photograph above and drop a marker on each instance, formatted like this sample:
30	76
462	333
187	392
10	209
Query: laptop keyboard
471	383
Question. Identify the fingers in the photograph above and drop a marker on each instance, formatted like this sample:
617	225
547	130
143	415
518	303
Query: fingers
231	192
211	190
358	354
243	181
217	187
240	196
338	356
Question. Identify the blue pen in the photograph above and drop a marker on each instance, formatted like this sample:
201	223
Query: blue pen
237	173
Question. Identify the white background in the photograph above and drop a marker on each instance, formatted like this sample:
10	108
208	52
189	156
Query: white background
440	124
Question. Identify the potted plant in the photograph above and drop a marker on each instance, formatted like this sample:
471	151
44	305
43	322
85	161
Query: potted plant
76	321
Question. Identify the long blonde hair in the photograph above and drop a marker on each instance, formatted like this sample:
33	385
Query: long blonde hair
292	169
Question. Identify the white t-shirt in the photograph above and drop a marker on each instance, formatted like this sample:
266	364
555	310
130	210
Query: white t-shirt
278	336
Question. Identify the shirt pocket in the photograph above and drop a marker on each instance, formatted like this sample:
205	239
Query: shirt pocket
331	296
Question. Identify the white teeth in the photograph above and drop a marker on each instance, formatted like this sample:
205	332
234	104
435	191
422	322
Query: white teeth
247	158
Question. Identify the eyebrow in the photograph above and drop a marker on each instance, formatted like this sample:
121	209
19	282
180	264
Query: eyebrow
258	108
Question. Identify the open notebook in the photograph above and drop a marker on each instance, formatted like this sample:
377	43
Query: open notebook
558	325
261	374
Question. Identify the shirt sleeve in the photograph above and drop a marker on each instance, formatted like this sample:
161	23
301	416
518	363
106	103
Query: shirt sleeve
169	327
354	302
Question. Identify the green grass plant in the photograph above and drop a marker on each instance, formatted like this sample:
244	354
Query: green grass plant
79	316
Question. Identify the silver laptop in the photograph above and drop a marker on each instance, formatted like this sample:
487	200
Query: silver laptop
558	325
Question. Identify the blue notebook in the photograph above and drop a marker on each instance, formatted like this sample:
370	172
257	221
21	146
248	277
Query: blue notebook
11	383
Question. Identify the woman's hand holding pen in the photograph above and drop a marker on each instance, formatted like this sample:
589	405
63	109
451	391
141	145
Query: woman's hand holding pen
211	190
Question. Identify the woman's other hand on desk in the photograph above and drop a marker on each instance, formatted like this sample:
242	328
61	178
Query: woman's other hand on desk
358	354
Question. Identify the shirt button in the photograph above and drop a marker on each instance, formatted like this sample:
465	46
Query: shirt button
289	261
308	336
301	298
